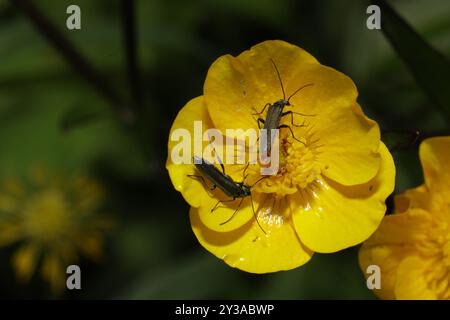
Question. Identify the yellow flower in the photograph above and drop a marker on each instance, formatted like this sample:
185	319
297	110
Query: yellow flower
52	220
412	246
330	189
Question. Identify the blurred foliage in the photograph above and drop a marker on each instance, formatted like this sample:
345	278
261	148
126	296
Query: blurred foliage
153	253
430	68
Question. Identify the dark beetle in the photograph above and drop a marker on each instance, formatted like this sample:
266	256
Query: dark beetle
275	113
233	189
221	179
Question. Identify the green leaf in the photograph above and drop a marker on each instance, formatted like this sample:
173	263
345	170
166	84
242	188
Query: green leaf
429	67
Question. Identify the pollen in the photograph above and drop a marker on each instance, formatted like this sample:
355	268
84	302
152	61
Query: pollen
298	169
47	215
435	246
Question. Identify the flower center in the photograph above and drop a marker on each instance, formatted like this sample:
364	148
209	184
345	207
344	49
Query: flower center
436	247
297	169
46	215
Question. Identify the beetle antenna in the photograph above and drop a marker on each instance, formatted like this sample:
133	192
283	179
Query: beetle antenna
245	170
302	87
279	78
265	177
254	214
234	213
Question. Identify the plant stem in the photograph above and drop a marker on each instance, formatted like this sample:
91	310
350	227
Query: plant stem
74	58
128	10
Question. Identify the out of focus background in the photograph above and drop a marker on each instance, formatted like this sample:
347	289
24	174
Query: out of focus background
83	145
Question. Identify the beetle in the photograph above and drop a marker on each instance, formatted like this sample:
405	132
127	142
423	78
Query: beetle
276	111
218	178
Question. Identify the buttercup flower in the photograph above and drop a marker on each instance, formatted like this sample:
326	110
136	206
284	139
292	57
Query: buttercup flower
52	220
412	246
333	178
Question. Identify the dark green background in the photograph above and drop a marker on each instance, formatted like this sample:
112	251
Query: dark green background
153	253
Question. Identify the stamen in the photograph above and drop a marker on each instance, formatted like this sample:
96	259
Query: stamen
298	169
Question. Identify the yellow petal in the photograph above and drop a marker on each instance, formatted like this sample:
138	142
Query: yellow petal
8	203
402	229
435	157
13	187
333	217
417	198
411	282
53	272
435	202
387	258
90	245
250	249
226	216
346	144
237	86
393	241
193	190
230	96
24	262
9	233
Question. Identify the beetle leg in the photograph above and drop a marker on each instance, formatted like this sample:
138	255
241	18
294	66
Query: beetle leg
255	215
216	206
261	112
292	132
234	213
244	172
261	120
292	118
304	114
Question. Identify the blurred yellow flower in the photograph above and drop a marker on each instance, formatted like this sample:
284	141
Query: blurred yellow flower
330	189
412	246
52	220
